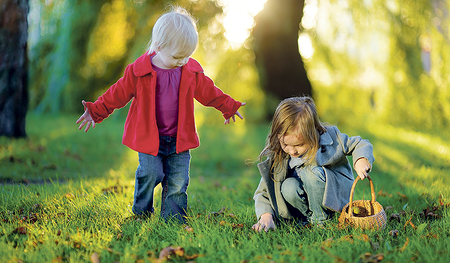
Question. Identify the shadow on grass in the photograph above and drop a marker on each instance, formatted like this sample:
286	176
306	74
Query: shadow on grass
56	150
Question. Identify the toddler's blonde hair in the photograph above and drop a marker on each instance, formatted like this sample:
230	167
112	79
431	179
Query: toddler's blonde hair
175	31
292	113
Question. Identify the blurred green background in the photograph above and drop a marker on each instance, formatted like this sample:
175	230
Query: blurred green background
378	61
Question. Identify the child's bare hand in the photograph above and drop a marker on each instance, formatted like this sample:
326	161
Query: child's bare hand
86	119
265	222
227	121
362	168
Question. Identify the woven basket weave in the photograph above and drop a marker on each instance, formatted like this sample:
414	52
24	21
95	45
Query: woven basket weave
373	217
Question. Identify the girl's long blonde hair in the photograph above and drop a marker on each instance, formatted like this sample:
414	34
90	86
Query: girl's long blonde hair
291	113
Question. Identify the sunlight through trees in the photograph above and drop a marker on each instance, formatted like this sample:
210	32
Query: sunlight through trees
389	56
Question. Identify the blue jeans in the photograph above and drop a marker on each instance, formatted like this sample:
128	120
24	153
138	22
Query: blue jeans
305	193
172	171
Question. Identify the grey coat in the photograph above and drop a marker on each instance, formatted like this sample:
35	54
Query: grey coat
332	156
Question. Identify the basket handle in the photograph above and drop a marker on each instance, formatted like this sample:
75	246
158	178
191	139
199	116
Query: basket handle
372	191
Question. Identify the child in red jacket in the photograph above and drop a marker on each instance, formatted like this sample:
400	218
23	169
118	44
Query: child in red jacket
163	84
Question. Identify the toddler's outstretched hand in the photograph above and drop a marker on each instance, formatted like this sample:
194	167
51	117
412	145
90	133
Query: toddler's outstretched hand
227	121
86	118
265	222
362	168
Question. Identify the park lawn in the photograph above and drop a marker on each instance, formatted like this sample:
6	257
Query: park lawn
66	196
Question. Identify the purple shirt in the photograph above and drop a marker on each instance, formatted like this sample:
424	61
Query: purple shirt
167	87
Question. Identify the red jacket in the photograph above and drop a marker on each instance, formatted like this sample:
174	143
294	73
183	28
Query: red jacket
139	82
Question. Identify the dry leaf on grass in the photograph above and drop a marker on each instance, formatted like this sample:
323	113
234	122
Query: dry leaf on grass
368	257
189	229
168	252
404	245
336	258
95	258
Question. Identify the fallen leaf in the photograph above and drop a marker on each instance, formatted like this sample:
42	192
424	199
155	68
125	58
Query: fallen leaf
111	251
384	193
234	226
430	235
70	196
116	189
167	252
363	237
170	251
410	223
348	238
20	230
328	242
368	257
336	258
193	256
95	258
179	251
77	244
393	233
430	213
189	229
57	259
404	245
387	208
395	217
402	195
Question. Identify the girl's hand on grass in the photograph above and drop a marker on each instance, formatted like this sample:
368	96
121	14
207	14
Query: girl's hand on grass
362	168
86	118
227	121
265	222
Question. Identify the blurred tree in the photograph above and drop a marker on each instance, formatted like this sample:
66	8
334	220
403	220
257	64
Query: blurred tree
384	61
419	94
64	52
91	44
13	67
280	66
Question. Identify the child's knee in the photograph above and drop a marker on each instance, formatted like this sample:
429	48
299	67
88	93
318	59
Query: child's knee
314	174
291	189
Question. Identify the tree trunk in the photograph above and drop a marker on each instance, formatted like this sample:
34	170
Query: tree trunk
279	63
13	67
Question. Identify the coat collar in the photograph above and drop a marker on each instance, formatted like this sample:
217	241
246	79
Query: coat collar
264	167
325	139
143	66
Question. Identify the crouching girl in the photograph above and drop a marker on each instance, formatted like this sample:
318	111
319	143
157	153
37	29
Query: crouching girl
306	175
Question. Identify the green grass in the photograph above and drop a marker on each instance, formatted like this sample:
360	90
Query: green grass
73	194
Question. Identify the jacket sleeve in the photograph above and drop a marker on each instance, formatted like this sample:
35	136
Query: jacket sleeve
262	202
356	146
117	96
209	95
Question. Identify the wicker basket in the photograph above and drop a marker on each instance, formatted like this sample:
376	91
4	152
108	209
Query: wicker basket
371	213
